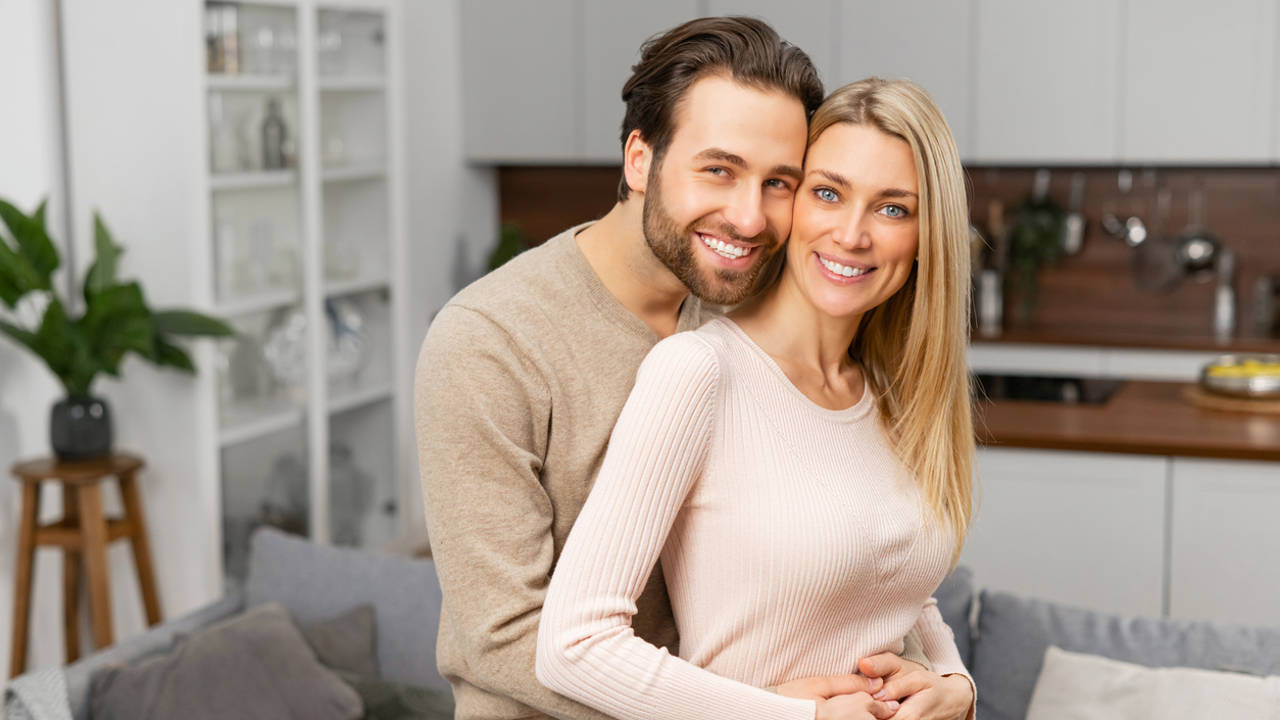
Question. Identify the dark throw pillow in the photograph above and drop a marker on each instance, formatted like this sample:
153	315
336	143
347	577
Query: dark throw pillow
255	665
346	642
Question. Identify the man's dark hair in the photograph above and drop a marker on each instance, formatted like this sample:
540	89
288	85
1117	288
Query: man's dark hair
745	49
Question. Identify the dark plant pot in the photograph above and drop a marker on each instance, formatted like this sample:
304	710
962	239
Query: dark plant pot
80	428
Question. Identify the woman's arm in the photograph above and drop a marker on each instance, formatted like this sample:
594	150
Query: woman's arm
586	647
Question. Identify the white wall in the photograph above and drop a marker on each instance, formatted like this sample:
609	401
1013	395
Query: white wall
452	208
30	170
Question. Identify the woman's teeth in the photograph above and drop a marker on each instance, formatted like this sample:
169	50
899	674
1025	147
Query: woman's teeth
723	248
844	270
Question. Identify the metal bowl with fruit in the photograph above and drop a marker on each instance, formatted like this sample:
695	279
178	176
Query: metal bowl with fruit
1251	376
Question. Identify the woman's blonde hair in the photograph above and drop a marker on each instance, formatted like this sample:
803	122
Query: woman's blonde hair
913	345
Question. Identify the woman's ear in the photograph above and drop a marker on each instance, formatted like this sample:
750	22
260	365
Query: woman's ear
636	158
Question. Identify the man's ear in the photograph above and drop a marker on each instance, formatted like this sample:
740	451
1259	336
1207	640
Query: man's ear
636	157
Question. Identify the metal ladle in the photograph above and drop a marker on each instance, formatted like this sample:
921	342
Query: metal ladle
1198	250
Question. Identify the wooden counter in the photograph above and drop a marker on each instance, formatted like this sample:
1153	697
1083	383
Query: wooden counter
1147	418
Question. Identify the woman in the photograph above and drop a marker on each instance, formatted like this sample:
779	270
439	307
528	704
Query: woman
801	467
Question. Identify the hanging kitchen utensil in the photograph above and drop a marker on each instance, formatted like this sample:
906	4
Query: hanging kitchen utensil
1073	226
1155	269
1198	249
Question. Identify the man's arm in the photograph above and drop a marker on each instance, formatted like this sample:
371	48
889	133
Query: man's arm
482	413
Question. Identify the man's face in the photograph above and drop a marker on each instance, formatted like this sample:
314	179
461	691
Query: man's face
717	204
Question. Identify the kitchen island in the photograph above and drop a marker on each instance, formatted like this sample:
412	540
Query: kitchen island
1144	505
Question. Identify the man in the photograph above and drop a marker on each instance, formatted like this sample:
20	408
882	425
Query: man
524	373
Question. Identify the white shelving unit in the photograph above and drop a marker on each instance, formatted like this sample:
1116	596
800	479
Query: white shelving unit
306	259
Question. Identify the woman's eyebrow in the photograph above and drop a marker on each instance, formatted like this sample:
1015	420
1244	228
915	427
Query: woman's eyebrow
833	177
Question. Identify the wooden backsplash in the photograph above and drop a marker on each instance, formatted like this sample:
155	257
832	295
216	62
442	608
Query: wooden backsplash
1086	294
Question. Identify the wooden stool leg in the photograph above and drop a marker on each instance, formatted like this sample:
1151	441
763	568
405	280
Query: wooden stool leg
71	577
22	584
141	547
93	528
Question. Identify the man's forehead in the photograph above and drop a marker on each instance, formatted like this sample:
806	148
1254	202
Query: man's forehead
720	115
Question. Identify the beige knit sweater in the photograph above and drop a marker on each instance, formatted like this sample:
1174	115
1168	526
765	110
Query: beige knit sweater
793	540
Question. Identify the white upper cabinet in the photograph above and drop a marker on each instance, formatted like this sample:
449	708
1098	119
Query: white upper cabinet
1046	81
613	31
522	79
804	23
928	42
1199	83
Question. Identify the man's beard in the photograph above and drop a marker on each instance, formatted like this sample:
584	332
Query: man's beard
674	247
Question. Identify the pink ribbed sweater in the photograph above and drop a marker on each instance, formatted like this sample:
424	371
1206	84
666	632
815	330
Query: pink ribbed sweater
793	542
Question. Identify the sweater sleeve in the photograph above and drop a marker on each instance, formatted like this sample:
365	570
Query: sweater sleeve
586	647
481	413
940	647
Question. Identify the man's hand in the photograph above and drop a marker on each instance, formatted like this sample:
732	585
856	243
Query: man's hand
828	686
924	695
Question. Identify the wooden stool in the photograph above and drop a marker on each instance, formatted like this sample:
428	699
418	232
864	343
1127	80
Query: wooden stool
83	534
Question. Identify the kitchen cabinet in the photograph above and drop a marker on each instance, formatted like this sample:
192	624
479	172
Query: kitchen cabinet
804	23
522	65
1046	81
1199	81
1084	529
928	42
1225	541
613	31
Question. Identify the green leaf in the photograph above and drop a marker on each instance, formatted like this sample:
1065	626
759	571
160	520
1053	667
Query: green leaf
186	322
102	274
55	339
33	242
168	354
116	321
17	276
22	335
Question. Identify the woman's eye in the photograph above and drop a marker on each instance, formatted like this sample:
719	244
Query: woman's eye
894	211
826	195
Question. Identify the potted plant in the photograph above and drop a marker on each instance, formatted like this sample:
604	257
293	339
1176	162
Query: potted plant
115	321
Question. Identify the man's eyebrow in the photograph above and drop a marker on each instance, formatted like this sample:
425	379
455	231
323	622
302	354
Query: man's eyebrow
724	156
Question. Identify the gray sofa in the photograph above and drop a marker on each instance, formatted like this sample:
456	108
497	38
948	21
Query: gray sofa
1001	637
312	582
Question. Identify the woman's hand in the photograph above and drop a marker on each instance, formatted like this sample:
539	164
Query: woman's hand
828	686
858	706
924	695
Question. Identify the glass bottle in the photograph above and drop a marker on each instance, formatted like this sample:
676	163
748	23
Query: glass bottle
274	134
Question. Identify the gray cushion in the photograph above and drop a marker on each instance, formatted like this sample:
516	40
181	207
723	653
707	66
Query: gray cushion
154	640
346	642
1014	632
314	582
955	602
256	665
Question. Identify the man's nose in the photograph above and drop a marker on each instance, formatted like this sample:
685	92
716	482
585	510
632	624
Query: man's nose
746	212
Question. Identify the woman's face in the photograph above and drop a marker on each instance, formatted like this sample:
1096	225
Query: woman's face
855	231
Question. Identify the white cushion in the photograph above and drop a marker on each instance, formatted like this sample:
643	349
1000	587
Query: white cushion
1075	686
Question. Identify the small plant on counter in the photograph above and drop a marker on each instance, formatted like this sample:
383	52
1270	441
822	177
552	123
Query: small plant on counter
116	321
511	243
1035	240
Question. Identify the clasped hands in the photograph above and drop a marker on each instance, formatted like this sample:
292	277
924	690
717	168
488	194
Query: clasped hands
887	687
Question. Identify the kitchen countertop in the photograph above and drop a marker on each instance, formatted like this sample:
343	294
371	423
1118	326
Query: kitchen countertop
1146	418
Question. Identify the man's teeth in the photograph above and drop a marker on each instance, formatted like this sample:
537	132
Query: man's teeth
723	248
844	270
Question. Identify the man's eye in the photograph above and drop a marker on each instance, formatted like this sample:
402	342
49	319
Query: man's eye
717	171
778	184
826	194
